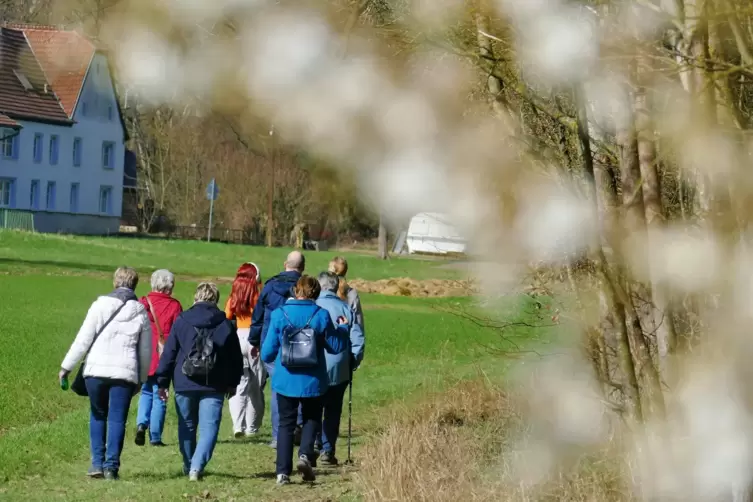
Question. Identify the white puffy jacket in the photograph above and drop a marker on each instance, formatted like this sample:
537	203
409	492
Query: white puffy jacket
114	354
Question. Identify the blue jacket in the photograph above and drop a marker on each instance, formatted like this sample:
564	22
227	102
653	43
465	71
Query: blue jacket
302	382
338	365
228	368
273	295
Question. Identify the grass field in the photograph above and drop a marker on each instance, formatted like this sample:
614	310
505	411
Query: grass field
414	348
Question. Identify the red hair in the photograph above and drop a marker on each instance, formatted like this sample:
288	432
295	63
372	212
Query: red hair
245	290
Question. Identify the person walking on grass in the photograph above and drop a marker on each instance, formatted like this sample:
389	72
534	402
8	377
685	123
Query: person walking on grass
339	266
299	334
162	310
247	405
340	367
277	290
118	339
203	359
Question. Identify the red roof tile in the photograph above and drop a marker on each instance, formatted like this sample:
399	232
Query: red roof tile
37	103
64	57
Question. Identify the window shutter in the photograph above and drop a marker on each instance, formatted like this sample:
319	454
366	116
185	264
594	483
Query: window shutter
12	194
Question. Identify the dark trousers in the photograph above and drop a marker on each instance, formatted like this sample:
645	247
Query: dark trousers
109	401
287	408
332	402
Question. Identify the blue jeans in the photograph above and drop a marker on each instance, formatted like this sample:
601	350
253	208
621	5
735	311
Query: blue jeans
275	412
109	401
152	410
333	408
198	411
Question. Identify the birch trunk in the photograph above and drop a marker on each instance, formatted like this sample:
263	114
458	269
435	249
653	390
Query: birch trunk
662	319
638	311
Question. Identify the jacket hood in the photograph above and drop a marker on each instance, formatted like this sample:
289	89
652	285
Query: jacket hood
204	315
329	295
283	282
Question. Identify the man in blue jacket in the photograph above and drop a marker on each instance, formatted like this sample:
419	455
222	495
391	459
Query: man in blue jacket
275	293
199	400
340	367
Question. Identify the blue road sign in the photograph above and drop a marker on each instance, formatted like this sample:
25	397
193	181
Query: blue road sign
213	191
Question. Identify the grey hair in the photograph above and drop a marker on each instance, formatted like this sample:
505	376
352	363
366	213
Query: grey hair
207	292
125	277
329	281
163	281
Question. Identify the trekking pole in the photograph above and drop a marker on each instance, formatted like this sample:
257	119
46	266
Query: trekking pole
350	417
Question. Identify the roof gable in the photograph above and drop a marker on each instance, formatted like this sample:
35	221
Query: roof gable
17	101
64	56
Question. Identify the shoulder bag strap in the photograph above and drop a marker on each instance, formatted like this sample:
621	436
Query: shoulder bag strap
96	334
156	321
312	317
282	309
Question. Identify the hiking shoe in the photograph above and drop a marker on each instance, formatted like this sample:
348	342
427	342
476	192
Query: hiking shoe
251	433
111	474
140	435
297	434
238	434
305	468
283	479
157	443
273	444
194	476
328	458
95	472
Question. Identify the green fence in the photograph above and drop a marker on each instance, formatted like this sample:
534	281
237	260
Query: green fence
19	220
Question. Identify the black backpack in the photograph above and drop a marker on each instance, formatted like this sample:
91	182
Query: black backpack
202	357
298	345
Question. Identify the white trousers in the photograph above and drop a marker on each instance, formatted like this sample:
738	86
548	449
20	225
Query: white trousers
247	405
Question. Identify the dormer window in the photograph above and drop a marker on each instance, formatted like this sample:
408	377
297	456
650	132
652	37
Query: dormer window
24	81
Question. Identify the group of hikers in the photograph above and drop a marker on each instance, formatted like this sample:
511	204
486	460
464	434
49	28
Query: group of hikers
305	333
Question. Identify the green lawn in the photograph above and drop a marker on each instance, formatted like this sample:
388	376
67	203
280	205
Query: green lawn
26	252
413	347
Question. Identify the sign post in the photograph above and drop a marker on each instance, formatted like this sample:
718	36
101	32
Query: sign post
213	191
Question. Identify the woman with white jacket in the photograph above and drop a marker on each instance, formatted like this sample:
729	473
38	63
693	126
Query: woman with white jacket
118	362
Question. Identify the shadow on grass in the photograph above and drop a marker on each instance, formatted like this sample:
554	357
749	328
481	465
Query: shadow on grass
318	471
156	476
59	264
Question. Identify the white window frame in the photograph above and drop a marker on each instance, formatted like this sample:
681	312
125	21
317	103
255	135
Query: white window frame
105	189
50	185
38	145
34	201
108	161
80	142
6	189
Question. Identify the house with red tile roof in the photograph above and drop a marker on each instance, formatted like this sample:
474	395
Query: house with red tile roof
62	135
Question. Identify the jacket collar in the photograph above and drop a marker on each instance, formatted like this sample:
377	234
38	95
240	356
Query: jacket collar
328	294
157	294
293	301
123	294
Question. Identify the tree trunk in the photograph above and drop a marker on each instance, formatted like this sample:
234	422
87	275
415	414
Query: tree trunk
662	319
613	338
382	238
637	304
